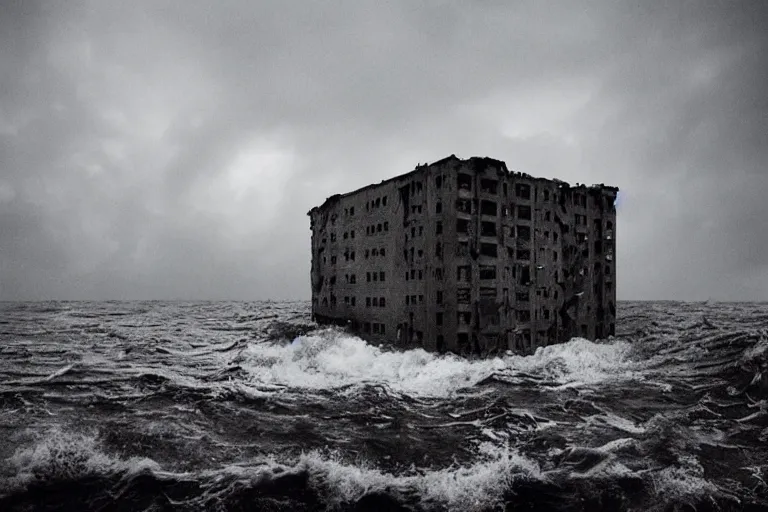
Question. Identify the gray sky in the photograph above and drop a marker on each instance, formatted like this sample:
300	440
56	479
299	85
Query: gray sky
172	149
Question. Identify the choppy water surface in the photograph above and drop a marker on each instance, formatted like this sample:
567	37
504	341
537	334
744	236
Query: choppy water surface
249	406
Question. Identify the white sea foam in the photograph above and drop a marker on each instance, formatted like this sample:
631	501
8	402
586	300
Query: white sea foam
466	488
61	455
330	358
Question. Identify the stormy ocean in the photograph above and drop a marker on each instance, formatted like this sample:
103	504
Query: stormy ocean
250	406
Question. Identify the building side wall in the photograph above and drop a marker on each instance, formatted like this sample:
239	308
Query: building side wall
467	258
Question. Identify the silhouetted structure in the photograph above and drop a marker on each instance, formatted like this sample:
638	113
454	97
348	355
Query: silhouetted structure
465	256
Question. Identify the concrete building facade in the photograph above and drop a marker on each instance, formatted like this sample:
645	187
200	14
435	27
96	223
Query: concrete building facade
465	256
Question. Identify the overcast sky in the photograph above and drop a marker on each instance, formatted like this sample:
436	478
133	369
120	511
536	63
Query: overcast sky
162	150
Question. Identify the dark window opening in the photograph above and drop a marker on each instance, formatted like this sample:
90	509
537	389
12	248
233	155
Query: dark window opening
345	236
378	228
440	343
439	250
421	275
546	314
375	302
439	297
488	293
421	299
547	216
463	339
489	186
464	205
438	274
464	181
462	226
413	274
489	250
523	232
382	302
367	327
381	276
384	200
487	272
378	202
438	319
488	229
439	228
375	328
523	191
386	226
462	295
382	252
439	207
523	315
546	195
368	276
463	273
523	254
375	277
438	181
367	302
407	300
524	212
488	208
464	318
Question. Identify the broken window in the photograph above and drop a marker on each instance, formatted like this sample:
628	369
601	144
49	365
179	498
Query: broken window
439	250
353	279
386	226
382	252
524	212
439	297
368	276
438	182
367	302
345	235
523	232
463	340
555	236
488	229
523	190
462	295
438	319
381	276
554	255
333	260
421	275
421	253
464	181
375	328
384	200
382	302
464	318
523	254
352	256
464	205
489	186
547	216
489	250
488	208
523	315
378	202
439	207
487	272
463	273
378	228
375	276
407	300
546	314
462	226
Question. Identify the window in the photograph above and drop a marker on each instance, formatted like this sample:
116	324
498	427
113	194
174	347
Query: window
384	200
488	229
546	196
375	328
487	272
463	273
346	300
523	190
523	296
382	302
421	230
524	212
547	215
353	279
381	329
351	211
489	186
464	181
333	237
386	226
523	254
375	276
554	255
367	327
439	207
438	274
406	275
378	202
375	301
462	295
421	253
367	302
352	234
489	250
438	182
368	276
366	254
463	339
413	274
488	208
381	276
378	228
464	318
546	314
353	301
421	299
439	250
352	256
421	275
382	252
413	232
375	252
488	293
439	228
333	260
439	297
554	236
464	205
345	235
523	315
523	232
407	300
462	226
438	319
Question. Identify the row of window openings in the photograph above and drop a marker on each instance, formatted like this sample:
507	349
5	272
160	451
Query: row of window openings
376	203
376	328
375	276
411	300
488	186
419	253
349	212
375	252
377	228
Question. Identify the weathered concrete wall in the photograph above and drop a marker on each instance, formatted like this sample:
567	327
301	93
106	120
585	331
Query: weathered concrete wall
463	255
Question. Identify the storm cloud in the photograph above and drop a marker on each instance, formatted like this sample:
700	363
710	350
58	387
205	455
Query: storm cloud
171	150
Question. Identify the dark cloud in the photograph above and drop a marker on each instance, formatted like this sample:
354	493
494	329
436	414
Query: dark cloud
172	149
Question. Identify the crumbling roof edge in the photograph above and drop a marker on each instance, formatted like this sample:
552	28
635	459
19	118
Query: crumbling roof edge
336	197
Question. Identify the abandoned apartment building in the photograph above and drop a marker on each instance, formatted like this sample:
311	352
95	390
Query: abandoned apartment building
467	257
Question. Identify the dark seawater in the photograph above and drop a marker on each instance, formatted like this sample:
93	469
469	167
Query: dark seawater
249	406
